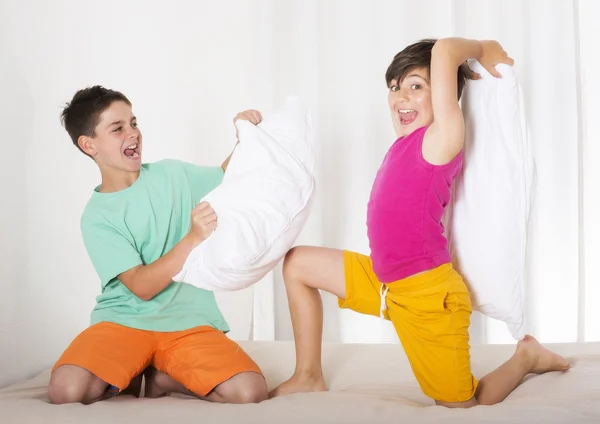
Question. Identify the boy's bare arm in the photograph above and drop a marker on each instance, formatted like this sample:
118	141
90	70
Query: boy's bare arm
226	162
146	281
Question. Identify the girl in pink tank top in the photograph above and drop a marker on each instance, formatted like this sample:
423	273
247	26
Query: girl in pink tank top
428	301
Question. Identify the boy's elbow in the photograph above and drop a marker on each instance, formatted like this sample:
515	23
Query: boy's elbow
144	291
135	284
139	292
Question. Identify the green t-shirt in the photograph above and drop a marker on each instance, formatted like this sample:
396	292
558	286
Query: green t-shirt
137	226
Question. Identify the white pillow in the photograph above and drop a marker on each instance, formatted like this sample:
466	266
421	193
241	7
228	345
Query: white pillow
492	197
262	204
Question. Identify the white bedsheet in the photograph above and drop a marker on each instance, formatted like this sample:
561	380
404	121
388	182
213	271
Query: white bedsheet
368	384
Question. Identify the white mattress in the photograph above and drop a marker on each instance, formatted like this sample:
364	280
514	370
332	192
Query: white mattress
368	384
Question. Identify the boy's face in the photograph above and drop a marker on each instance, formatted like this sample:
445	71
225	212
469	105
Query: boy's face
117	143
410	102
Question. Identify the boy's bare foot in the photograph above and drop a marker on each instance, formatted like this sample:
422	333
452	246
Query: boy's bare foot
134	388
542	360
299	384
156	383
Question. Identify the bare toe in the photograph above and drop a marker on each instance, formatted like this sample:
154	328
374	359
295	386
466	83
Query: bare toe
542	359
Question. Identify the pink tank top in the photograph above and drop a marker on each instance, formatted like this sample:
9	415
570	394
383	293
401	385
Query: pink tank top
405	211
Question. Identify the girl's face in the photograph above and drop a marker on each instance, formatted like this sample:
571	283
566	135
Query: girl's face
410	102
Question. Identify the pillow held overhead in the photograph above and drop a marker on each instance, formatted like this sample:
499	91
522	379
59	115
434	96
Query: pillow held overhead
488	218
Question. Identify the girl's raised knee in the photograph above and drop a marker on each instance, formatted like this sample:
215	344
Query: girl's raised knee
292	264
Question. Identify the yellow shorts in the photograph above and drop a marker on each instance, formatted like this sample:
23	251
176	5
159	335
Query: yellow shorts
431	313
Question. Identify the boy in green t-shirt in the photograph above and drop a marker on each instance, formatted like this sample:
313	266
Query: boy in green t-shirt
138	228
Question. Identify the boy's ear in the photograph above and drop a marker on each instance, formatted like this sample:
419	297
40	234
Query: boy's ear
87	145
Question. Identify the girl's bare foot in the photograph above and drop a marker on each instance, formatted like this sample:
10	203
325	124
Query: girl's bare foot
300	384
542	359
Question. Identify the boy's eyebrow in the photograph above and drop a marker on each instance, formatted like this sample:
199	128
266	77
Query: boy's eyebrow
120	122
115	123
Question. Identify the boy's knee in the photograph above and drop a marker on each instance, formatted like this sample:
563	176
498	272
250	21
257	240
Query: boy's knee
60	394
247	387
61	391
252	394
72	384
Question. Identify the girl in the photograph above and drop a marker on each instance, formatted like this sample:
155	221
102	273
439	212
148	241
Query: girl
409	278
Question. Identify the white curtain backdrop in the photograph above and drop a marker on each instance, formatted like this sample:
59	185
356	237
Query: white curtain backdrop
190	66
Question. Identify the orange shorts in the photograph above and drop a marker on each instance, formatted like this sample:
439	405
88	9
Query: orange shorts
200	358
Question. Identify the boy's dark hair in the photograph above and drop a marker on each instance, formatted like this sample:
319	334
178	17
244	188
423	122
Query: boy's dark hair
81	115
417	55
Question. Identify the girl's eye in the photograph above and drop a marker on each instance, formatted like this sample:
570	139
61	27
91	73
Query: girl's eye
415	86
118	129
394	88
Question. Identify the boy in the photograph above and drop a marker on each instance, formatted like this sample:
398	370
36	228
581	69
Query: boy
408	278
138	228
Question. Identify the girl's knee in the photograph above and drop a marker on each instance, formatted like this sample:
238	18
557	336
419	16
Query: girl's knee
292	264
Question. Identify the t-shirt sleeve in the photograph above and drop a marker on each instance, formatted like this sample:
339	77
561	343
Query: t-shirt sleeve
110	251
203	179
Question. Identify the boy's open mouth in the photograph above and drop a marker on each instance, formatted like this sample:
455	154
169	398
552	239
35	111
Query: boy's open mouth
132	151
407	116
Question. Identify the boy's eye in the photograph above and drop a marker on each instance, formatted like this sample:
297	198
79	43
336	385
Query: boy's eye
117	129
415	86
134	125
394	88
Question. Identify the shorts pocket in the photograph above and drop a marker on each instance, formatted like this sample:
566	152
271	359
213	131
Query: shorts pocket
457	298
